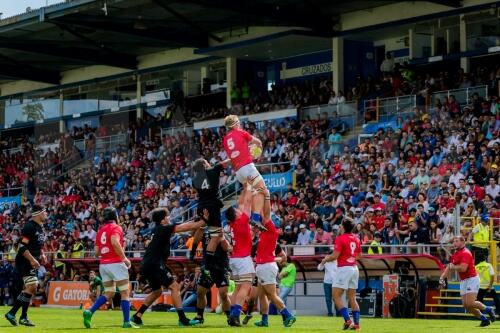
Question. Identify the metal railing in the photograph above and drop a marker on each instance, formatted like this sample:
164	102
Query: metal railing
384	109
12	191
12	151
104	144
176	130
347	112
314	249
462	96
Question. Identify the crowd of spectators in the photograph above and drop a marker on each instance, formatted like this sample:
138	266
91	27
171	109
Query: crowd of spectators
402	186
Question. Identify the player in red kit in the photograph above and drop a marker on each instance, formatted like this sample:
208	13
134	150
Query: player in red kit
267	270
462	262
240	262
113	267
347	250
236	144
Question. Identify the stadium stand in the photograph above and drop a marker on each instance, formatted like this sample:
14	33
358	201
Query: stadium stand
406	144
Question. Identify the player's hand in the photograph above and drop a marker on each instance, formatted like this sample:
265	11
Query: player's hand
127	263
488	289
43	258
192	254
206	215
35	264
452	266
442	282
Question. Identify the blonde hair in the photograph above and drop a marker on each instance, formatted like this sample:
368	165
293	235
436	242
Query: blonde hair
231	121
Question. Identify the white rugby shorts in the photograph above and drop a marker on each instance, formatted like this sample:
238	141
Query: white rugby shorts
113	272
346	277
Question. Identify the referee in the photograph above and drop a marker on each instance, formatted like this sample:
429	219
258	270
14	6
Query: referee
28	260
153	268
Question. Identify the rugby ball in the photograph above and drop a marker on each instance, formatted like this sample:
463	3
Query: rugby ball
255	151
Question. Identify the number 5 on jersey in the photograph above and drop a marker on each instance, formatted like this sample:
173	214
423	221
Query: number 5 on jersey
230	143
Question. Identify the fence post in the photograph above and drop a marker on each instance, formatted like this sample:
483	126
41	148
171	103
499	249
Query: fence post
491	229
493	253
467	94
377	105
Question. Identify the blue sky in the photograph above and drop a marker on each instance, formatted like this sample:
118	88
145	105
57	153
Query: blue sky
14	7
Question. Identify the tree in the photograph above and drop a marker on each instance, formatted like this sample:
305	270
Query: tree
33	112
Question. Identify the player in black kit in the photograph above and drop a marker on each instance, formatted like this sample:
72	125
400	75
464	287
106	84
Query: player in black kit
153	266
218	274
28	260
206	182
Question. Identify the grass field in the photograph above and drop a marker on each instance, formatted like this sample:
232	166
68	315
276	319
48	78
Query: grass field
53	320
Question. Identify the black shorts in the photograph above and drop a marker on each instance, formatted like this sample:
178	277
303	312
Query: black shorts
214	219
24	268
216	275
156	276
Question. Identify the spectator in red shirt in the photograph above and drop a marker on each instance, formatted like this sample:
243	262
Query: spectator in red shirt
377	203
322	237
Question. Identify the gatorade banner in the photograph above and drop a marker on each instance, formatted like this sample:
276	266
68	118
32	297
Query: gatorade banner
62	293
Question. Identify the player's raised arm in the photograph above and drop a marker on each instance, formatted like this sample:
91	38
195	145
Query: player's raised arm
225	163
255	141
189	226
245	201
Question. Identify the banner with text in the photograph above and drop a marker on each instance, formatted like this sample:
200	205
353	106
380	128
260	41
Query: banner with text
9	201
62	293
259	119
324	68
278	182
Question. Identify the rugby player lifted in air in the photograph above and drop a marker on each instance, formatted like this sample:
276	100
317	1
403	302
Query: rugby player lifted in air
236	144
206	182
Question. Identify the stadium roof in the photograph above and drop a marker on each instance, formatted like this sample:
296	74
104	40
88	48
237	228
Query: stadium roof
40	44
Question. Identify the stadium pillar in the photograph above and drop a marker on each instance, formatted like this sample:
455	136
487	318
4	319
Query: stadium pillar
338	63
203	76
231	78
464	61
138	96
62	127
411	37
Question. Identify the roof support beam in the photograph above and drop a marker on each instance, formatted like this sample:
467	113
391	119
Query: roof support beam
156	33
162	4
124	59
286	14
21	72
449	3
80	54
